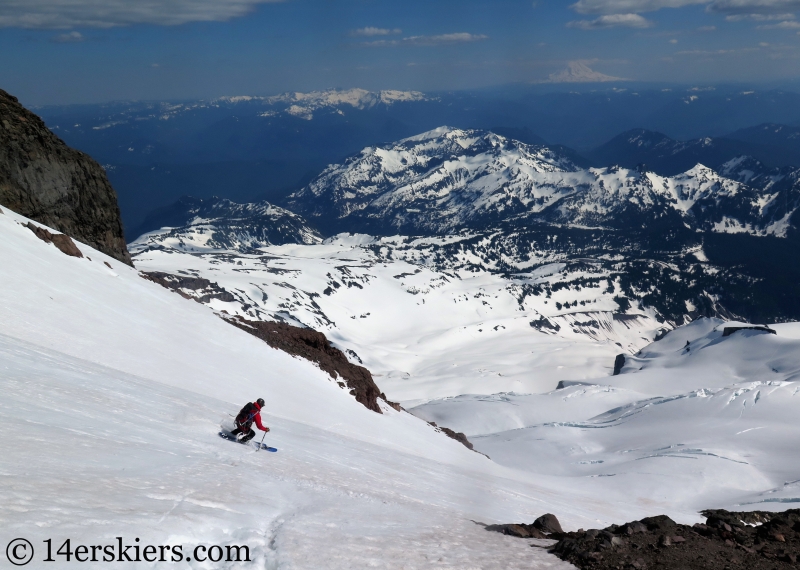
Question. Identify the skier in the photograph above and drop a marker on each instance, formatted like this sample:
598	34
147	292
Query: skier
250	413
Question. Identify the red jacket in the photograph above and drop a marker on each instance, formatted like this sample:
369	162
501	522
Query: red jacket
253	417
257	417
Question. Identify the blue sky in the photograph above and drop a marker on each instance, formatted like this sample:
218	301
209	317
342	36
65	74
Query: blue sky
100	50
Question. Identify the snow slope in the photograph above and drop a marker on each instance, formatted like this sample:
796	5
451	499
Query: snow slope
425	331
114	389
683	427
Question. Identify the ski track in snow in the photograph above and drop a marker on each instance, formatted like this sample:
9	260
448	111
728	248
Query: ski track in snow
98	453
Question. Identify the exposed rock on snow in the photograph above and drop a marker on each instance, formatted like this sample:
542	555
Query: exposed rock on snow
314	346
619	362
754	540
458	436
545	527
730	329
61	241
548	523
44	179
433	305
197	288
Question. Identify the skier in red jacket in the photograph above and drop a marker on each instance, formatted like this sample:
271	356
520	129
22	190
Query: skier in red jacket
250	413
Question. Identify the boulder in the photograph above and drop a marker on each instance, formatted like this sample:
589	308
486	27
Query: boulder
548	523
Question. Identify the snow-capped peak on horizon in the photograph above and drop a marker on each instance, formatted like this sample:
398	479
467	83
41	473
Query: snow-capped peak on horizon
303	105
355	97
580	72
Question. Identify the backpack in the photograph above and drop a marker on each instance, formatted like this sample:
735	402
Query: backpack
247	414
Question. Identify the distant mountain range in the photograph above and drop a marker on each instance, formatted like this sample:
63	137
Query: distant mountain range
701	243
252	148
773	145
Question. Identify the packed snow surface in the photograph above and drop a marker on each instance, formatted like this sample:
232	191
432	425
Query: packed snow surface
711	422
114	389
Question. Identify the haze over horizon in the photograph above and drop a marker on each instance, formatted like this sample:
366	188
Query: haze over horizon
93	51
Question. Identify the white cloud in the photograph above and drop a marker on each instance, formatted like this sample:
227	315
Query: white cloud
788	25
55	14
442	39
758	17
612	21
70	38
629	6
754	6
457	38
370	31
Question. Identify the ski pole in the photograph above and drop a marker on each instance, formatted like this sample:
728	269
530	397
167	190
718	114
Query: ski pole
262	441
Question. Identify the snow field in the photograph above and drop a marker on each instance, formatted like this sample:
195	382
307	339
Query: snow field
114	389
423	332
97	453
678	431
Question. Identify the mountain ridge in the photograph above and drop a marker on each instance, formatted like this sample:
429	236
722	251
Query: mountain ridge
450	179
44	179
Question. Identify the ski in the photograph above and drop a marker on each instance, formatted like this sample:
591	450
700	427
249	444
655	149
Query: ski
230	437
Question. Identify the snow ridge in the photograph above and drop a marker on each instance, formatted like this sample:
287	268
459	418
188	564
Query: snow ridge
221	225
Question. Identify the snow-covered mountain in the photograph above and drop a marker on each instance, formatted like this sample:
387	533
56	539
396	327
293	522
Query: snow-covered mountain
669	157
298	104
225	225
451	179
304	105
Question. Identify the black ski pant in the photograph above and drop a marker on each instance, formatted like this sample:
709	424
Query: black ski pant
248	433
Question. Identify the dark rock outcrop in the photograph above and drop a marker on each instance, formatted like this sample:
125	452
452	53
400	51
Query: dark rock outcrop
314	346
202	290
61	241
546	526
619	362
726	540
548	523
456	435
45	180
518	530
728	331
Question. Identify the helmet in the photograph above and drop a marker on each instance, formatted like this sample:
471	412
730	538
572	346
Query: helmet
260	402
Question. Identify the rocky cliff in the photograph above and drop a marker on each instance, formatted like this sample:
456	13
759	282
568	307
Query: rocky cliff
45	180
